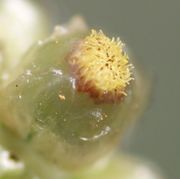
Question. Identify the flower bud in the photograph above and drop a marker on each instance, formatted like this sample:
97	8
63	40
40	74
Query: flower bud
22	23
74	95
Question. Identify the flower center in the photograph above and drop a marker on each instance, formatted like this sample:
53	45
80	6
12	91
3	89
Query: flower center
101	68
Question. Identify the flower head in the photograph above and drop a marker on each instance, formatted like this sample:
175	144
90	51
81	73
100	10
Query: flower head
101	67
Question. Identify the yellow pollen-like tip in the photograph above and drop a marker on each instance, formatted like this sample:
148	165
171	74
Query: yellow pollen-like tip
101	67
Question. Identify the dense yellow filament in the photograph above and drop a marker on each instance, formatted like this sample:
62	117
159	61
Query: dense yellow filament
102	64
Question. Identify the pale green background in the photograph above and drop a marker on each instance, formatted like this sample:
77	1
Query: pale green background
151	28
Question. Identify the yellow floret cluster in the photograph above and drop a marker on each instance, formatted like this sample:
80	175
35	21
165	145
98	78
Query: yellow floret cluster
102	64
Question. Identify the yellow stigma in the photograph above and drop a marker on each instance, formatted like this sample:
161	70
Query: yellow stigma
101	67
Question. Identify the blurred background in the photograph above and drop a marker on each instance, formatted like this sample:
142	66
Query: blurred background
151	29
